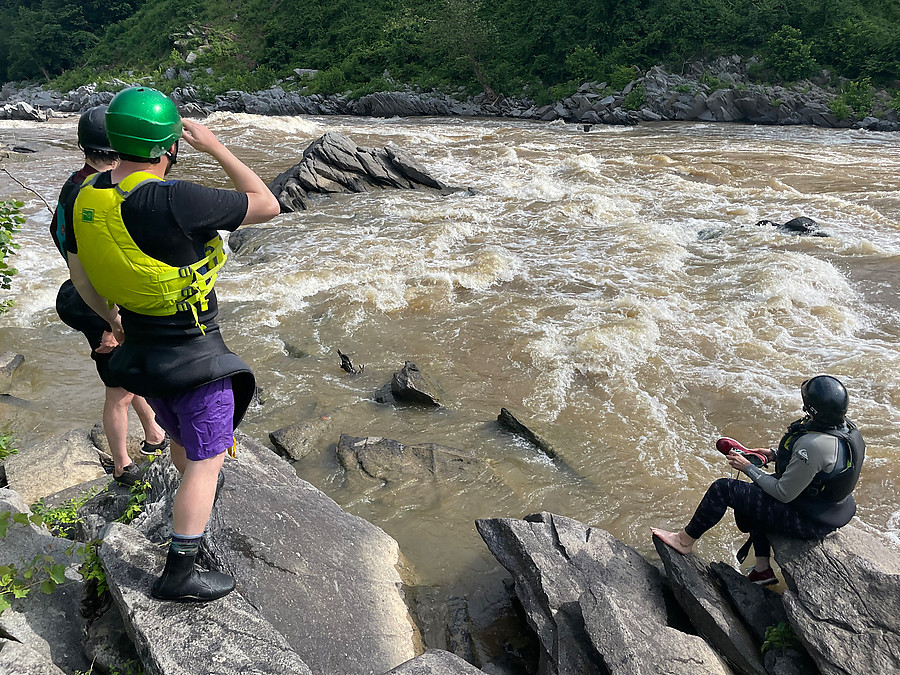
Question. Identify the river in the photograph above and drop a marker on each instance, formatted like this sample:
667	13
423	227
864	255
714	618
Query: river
610	288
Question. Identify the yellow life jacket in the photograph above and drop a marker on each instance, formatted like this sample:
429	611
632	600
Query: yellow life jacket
124	274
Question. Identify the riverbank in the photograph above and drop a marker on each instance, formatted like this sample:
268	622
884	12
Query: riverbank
718	91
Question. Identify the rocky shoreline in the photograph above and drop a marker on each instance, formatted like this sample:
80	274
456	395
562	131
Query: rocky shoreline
322	591
718	91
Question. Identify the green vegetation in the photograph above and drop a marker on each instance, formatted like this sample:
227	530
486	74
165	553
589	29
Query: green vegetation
857	99
10	220
62	519
136	502
91	570
789	56
636	98
17	581
490	46
781	637
7	443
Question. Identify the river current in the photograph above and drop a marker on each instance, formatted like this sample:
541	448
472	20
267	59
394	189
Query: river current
610	288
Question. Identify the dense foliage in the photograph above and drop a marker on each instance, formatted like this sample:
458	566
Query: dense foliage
483	45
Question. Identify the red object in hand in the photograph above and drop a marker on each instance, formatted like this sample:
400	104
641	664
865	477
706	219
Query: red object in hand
727	445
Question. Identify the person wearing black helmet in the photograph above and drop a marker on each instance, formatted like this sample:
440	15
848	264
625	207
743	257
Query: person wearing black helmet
74	312
817	466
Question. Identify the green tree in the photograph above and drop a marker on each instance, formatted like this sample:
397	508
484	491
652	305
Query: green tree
463	35
10	220
789	56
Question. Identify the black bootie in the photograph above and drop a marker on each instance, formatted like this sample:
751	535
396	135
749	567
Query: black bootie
182	582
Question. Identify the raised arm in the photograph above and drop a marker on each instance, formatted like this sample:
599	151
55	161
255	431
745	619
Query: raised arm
262	204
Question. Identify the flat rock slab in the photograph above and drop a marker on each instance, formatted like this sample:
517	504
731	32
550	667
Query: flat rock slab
218	638
843	599
326	580
436	662
701	597
56	464
596	605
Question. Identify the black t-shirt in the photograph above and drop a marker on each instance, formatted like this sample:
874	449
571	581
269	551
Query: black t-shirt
171	221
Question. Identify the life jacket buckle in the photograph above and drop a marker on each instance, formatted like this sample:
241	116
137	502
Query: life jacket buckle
182	306
185	271
188	292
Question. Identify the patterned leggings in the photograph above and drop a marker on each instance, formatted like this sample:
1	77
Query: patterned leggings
755	511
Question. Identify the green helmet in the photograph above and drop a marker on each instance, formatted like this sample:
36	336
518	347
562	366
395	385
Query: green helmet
142	122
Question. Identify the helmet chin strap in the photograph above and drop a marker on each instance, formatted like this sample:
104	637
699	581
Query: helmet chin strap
172	157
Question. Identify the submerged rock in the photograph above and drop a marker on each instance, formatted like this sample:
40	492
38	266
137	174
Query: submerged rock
511	423
333	163
391	461
802	227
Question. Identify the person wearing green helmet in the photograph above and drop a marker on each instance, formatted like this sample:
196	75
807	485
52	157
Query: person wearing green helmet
72	310
144	253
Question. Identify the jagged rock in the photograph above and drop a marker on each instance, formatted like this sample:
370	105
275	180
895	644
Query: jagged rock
47	624
843	599
596	605
55	464
702	599
789	662
334	163
412	385
298	440
391	461
222	637
326	580
9	363
759	607
509	421
436	662
401	104
19	659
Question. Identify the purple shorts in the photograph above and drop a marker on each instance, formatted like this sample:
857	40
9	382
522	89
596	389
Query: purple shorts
200	420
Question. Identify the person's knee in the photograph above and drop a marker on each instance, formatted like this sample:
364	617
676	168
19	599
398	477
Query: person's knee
118	397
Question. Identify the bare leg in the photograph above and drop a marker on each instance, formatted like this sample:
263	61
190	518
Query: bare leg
115	424
153	433
680	540
194	499
179	458
762	564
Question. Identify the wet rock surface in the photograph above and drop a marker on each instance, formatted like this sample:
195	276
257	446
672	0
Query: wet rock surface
412	385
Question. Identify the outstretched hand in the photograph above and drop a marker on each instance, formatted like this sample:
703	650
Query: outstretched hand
199	137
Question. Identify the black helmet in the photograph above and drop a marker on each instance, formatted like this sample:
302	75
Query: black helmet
92	130
825	399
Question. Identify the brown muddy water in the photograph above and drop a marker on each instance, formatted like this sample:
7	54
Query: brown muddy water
610	288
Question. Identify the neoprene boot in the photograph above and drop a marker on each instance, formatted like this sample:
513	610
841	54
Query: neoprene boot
182	582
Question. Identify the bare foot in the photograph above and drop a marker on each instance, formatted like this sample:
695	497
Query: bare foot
680	541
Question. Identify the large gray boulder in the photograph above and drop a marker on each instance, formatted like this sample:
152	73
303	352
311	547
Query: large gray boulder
55	464
843	599
222	637
299	439
700	595
333	163
326	580
596	605
436	662
49	625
